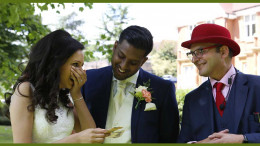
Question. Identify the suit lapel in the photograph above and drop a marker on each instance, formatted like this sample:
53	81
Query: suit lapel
107	90
240	97
136	112
206	102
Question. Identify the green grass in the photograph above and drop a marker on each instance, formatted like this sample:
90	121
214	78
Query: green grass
6	134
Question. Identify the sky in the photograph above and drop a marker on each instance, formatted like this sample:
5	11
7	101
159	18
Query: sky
162	19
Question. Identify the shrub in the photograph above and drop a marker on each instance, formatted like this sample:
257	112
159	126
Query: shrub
180	96
3	119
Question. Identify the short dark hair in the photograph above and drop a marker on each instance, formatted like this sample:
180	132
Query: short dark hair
139	37
43	72
230	54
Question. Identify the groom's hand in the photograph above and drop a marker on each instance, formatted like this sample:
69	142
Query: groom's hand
79	78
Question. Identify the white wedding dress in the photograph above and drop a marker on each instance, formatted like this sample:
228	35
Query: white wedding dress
46	132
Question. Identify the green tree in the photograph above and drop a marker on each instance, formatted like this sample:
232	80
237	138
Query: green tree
163	59
20	28
113	23
70	23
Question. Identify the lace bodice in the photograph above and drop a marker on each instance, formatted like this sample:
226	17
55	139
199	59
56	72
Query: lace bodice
46	132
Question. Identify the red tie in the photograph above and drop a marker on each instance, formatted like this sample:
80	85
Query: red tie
219	97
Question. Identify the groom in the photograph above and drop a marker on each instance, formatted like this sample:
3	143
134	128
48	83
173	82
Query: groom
108	97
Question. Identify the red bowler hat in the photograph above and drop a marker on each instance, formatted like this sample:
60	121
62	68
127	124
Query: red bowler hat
212	33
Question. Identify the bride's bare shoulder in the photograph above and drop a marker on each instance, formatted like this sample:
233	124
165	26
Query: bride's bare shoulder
23	89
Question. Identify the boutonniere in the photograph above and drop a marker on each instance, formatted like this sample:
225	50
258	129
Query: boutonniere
144	93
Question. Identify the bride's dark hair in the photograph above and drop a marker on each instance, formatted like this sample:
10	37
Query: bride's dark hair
43	72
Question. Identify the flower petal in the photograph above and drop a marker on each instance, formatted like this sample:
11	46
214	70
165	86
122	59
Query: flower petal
140	88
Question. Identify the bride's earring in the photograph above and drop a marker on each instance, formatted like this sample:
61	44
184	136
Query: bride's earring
58	98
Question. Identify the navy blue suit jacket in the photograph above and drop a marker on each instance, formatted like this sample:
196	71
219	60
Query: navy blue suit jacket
158	126
198	121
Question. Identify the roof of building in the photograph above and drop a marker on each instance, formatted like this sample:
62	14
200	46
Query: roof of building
234	7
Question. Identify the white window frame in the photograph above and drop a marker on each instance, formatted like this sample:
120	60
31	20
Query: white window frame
211	22
244	67
188	77
203	79
190	29
249	26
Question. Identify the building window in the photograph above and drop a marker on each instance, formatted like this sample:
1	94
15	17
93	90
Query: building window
203	79
244	67
249	25
211	22
187	77
188	70
191	27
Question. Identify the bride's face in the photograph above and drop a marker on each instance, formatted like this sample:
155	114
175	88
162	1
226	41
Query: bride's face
76	60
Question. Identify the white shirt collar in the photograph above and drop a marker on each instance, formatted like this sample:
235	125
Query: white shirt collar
132	79
230	74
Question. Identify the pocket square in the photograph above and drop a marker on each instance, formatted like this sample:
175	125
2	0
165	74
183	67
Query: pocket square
150	106
257	117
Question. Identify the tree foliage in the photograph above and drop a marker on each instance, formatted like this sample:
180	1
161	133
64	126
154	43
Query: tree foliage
20	28
113	23
70	23
163	59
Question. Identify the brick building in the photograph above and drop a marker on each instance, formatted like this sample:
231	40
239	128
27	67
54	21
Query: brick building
243	22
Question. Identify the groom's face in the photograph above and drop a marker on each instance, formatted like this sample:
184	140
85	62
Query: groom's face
126	60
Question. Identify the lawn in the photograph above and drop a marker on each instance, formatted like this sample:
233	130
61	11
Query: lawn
6	134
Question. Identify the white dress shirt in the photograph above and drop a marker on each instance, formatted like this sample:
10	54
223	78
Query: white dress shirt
122	117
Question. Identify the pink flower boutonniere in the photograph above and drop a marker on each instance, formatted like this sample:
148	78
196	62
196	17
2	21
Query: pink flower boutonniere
143	93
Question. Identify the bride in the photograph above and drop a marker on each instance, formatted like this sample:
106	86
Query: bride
46	105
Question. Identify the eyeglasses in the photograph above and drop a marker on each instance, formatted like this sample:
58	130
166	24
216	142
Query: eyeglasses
199	52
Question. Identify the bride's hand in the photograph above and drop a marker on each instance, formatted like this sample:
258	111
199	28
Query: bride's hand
96	135
79	78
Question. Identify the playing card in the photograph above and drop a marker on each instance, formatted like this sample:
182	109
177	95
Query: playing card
115	132
113	129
